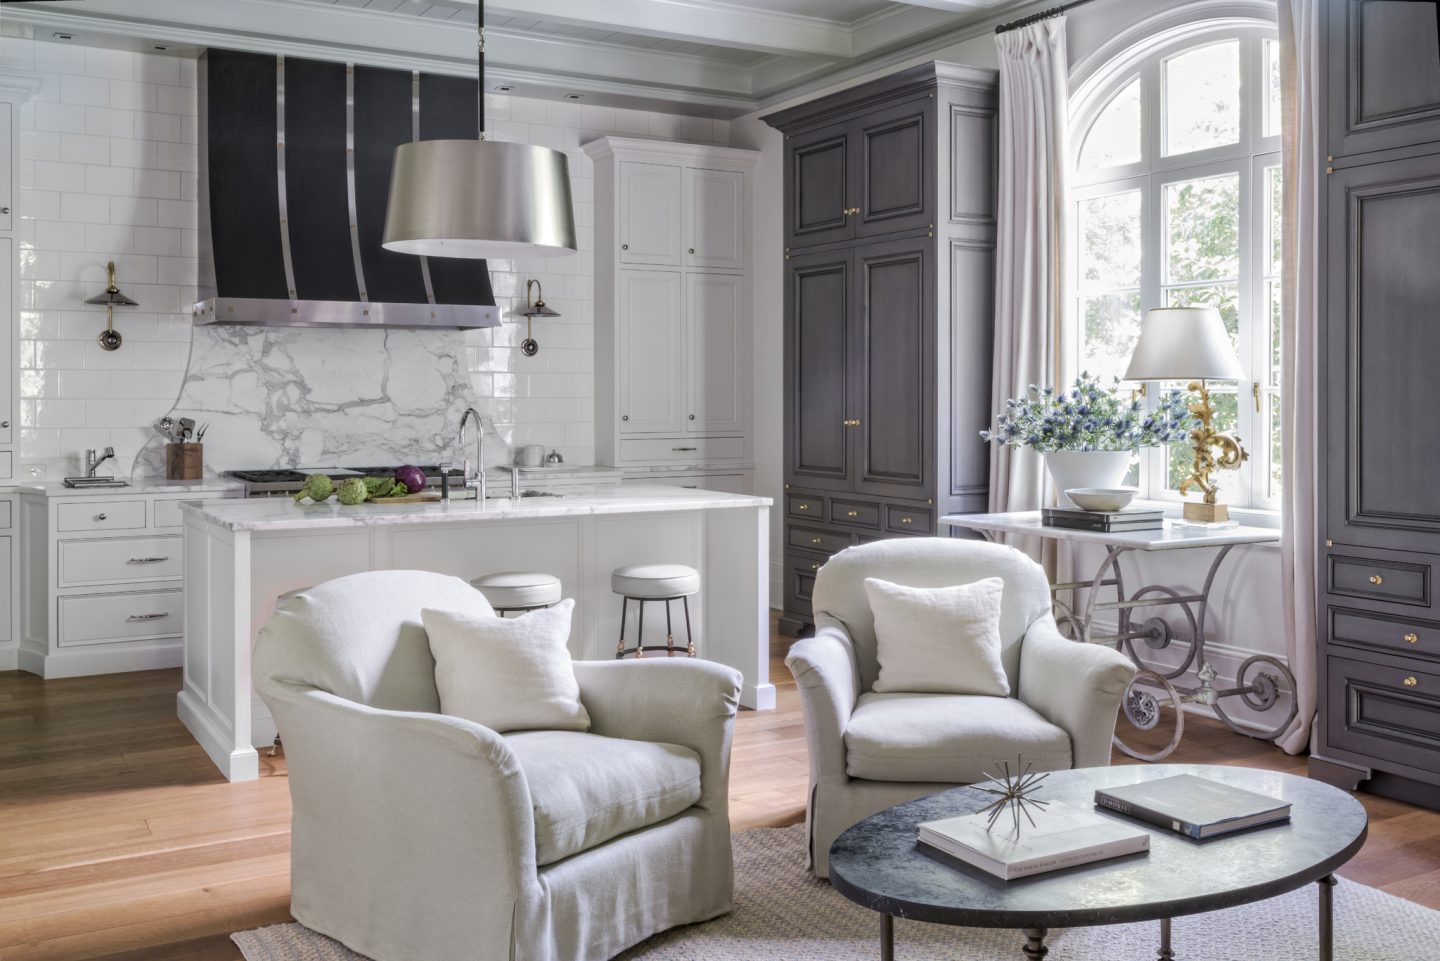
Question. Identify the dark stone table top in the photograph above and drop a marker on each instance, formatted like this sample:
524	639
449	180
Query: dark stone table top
878	863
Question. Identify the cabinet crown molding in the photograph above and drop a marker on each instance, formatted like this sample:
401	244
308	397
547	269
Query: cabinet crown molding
636	148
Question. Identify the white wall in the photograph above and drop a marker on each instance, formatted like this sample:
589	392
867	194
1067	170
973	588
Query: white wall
108	171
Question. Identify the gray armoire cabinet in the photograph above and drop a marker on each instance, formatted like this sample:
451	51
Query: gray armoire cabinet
1379	617
889	226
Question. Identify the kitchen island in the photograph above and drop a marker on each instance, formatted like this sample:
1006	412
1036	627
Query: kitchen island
240	556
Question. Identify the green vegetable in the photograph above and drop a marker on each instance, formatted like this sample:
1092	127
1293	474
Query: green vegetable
317	487
352	491
379	486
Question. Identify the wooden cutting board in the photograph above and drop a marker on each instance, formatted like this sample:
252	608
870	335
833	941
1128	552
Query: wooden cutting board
421	498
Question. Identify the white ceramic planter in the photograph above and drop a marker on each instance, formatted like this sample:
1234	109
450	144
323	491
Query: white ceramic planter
1086	468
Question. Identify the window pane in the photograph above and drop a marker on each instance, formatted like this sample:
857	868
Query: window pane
1274	205
1112	326
1181	457
1202	229
1110	241
1114	137
1202	98
1223	297
1272	89
1272	298
1277	464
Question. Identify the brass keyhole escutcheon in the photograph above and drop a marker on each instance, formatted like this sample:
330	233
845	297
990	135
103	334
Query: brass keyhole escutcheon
1376	579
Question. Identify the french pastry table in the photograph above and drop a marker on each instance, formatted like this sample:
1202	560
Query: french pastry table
877	863
1262	682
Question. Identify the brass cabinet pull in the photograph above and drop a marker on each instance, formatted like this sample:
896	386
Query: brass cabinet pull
815	566
802	507
907	520
1411	681
852	513
850	422
814	540
851	211
1412	638
1376	579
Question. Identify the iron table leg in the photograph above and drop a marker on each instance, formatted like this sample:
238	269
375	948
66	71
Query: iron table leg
1164	953
1327	917
1035	944
887	938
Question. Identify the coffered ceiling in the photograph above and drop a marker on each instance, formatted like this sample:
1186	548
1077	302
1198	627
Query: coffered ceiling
720	57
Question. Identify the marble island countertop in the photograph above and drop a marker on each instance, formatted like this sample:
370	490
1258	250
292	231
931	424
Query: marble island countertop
283	514
134	485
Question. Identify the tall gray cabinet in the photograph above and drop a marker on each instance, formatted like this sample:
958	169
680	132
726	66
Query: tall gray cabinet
1379	644
889	227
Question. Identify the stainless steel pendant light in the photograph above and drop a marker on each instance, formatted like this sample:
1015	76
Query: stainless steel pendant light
479	199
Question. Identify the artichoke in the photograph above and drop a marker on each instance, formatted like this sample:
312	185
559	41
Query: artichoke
352	491
317	487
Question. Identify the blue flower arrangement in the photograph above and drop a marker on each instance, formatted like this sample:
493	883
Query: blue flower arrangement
1090	417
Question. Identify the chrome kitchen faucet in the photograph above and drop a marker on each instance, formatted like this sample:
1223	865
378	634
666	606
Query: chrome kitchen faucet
476	480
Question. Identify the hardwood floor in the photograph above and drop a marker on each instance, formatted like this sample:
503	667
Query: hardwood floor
120	841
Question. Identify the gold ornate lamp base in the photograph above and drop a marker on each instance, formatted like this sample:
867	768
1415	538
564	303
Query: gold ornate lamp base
1231	456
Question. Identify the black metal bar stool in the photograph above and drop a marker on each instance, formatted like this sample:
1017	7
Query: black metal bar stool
654	582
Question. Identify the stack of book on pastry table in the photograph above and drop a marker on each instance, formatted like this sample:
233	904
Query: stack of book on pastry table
1106	522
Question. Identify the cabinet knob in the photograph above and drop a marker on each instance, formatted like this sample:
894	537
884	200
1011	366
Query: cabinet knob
624	416
1376	579
4	210
1412	638
4	423
624	246
692	250
1411	681
692	416
802	507
907	520
852	513
815	566
101	517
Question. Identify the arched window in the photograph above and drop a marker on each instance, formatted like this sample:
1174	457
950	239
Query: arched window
1177	203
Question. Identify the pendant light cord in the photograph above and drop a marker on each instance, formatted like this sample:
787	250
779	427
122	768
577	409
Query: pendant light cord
480	80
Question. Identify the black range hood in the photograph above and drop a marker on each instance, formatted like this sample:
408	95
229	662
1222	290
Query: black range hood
295	158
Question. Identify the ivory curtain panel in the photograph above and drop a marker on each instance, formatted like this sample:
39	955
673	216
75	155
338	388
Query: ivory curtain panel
1302	105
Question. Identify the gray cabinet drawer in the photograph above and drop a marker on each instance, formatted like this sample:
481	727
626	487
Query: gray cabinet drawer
113	618
119	560
91	515
811	540
1384	712
1381	580
800	571
909	520
1384	632
855	513
805	505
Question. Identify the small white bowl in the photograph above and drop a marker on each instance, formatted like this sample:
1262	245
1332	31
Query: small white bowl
1100	498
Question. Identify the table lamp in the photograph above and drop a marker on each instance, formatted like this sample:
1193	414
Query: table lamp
1190	343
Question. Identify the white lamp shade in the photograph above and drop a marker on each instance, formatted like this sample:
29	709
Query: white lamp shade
1184	343
479	199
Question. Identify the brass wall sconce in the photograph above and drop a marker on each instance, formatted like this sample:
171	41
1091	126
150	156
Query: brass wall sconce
111	298
528	346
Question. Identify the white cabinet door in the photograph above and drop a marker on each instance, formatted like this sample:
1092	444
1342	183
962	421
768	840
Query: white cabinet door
650	198
7	601
651	333
7	342
7	169
715	349
715	232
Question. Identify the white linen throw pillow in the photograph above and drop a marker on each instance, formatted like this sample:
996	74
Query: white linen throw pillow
508	674
938	640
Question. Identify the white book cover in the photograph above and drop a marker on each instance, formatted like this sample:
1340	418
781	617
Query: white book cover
1063	836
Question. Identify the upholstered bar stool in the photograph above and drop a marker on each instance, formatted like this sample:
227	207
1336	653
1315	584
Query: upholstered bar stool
654	582
509	591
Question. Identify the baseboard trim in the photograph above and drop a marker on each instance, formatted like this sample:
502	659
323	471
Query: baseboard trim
235	765
76	662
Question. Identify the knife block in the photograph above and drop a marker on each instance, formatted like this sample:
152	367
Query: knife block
184	461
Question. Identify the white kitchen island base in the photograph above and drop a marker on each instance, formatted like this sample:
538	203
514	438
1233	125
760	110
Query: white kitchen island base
241	555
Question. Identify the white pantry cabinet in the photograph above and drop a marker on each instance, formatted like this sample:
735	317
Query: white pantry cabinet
672	309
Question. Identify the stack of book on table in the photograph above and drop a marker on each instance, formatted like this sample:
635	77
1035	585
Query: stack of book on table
1063	836
1196	807
1106	522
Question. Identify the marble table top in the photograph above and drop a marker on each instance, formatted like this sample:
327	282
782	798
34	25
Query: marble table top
878	863
283	513
1170	537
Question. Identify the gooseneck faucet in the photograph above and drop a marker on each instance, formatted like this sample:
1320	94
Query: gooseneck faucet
476	479
92	463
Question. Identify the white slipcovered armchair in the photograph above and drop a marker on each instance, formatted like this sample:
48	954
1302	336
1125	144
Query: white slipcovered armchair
422	837
869	751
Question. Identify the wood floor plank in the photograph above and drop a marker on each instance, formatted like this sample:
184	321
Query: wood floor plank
119	841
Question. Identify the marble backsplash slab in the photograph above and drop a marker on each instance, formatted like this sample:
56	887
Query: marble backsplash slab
310	397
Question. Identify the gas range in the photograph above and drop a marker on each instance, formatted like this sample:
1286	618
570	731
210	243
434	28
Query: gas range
276	482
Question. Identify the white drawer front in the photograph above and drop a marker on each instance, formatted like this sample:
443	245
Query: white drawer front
120	560
167	514
697	449
100	516
725	483
5	507
110	618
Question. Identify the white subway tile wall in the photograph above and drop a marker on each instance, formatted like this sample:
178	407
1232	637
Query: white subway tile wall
108	172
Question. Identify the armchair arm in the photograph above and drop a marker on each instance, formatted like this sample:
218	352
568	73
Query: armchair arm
1074	686
687	702
404	822
828	677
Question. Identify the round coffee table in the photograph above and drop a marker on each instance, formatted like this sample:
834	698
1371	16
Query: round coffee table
878	863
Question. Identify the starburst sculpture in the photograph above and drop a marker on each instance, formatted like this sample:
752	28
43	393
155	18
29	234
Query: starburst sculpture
1013	792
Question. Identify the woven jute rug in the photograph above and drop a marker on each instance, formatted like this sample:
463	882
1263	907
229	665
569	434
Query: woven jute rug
781	914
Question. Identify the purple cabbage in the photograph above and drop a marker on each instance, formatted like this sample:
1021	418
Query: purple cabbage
412	477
